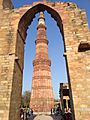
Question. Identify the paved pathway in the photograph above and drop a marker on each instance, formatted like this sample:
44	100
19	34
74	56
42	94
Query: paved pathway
43	117
57	117
46	117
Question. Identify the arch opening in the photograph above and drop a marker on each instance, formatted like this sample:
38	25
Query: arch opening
57	51
27	19
30	14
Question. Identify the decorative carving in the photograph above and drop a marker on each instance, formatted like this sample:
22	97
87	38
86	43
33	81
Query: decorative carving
41	41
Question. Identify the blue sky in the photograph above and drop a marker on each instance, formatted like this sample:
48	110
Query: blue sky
58	68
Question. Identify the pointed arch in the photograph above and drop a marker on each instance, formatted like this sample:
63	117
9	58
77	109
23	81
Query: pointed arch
27	18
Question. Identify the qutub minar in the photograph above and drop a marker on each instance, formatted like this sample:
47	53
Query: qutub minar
42	99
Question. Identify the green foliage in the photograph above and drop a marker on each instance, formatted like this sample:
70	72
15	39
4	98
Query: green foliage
56	100
25	101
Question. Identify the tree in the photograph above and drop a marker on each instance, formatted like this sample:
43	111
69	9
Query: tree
25	101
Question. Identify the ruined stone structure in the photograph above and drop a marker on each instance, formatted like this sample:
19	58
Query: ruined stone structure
42	99
73	26
64	97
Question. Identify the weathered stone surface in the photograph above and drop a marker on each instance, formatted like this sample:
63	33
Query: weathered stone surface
6	4
13	26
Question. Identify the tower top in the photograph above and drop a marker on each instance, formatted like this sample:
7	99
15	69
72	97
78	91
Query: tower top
41	16
41	20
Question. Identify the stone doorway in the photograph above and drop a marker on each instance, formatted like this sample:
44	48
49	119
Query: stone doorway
64	45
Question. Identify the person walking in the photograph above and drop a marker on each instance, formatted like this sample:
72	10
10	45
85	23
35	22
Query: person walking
51	111
68	115
21	114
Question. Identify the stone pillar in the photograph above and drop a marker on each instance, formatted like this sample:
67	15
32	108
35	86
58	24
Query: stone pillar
6	64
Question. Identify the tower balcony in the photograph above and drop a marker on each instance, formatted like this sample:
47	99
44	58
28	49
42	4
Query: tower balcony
41	41
41	62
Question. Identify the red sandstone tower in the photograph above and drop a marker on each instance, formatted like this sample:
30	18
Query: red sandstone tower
42	99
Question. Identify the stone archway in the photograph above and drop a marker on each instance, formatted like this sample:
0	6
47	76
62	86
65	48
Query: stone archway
71	20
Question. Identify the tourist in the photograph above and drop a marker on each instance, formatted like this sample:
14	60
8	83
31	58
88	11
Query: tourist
58	110
21	114
67	114
51	111
31	111
27	115
54	110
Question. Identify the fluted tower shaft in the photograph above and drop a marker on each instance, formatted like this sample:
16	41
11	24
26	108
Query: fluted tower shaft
42	94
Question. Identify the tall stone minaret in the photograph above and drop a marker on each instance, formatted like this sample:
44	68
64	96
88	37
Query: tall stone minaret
42	99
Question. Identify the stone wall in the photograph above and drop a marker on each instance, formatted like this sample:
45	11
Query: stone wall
13	26
6	64
5	4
